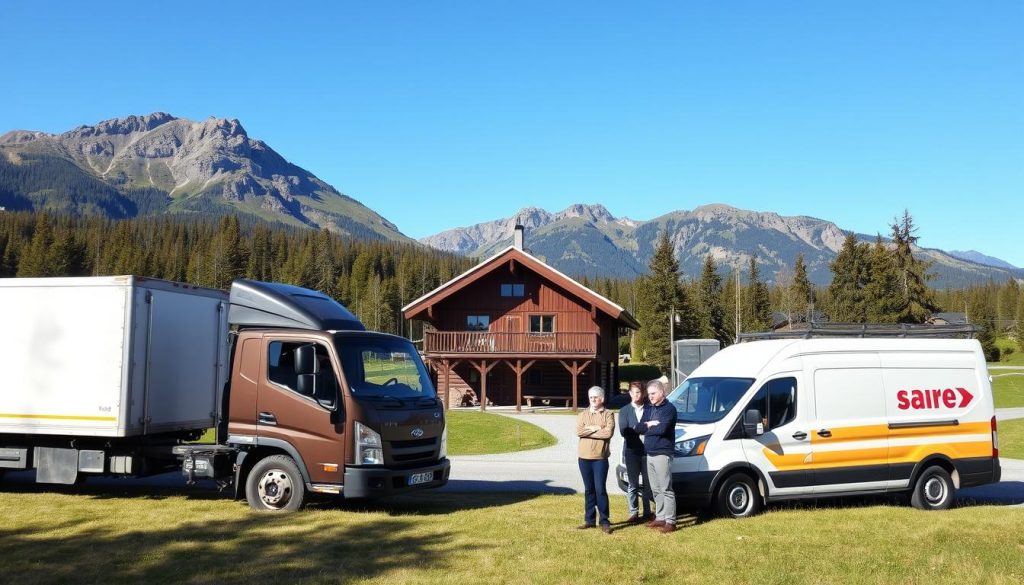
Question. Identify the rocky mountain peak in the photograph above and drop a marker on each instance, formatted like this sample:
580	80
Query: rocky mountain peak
596	213
128	125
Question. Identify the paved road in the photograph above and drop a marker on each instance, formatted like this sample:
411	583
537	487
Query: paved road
554	469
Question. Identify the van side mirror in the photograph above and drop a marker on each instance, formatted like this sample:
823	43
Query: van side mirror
305	360
753	424
305	384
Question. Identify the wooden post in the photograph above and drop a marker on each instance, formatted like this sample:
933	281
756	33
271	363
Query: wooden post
574	370
484	369
519	370
447	381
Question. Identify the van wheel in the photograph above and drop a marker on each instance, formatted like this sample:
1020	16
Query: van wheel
275	485
933	490
737	497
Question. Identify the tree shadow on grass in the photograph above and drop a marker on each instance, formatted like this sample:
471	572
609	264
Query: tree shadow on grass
261	548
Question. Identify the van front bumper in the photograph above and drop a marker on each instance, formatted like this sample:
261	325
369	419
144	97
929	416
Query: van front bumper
378	482
692	488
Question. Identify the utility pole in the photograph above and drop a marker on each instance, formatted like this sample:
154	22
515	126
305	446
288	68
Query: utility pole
672	346
737	340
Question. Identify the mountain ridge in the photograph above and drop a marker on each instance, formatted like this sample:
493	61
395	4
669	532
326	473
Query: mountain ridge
608	246
180	166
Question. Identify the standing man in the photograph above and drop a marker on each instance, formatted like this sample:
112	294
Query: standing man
658	426
633	454
594	427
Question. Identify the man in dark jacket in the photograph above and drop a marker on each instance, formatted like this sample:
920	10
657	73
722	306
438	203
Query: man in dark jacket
658	426
633	454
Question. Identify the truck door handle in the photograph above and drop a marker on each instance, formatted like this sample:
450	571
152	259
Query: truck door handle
799	435
825	433
267	418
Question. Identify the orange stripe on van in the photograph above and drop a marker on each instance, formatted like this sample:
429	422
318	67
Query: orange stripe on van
864	433
59	417
976	428
915	453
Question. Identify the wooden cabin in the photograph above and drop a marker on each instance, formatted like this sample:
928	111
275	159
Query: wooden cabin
515	331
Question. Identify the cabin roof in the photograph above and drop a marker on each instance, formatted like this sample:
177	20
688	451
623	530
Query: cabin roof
416	308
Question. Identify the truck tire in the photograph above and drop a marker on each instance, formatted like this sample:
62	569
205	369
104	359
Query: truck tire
738	497
933	490
275	484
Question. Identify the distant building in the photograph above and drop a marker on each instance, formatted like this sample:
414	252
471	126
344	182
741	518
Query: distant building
514	330
948	319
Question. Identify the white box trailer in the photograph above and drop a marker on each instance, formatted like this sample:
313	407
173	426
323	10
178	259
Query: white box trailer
115	356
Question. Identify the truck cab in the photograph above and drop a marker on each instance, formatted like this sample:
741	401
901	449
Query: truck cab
316	403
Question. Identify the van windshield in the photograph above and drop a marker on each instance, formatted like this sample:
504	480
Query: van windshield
383	367
707	400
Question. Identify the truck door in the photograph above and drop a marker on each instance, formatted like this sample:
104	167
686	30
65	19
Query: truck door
782	452
850	439
287	417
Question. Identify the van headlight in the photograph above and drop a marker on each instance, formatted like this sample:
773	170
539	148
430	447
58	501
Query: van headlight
690	447
444	443
369	450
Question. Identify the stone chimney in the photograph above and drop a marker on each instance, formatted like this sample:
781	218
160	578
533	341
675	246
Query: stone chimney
517	237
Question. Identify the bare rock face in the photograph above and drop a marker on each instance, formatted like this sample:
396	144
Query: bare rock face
212	160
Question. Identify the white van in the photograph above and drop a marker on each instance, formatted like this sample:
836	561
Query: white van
773	420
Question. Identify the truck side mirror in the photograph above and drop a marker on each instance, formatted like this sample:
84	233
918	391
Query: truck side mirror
753	424
305	384
305	360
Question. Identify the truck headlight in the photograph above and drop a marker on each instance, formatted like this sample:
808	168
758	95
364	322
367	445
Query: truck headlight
369	450
444	443
690	447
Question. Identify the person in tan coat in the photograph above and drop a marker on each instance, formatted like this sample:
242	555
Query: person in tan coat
595	427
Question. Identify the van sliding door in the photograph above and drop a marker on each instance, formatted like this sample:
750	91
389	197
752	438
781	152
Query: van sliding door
850	438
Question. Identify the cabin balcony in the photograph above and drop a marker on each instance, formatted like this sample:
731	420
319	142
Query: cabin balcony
486	343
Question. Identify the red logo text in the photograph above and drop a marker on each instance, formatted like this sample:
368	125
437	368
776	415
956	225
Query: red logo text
933	398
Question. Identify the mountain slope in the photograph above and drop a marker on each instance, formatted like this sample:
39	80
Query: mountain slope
588	240
142	165
979	258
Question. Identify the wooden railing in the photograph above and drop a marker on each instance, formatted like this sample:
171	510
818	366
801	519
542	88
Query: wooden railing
509	343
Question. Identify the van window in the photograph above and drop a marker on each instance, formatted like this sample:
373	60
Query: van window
704	400
781	401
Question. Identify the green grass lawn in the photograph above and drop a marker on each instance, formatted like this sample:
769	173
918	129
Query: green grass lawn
1008	391
1016	358
479	433
1011	438
50	535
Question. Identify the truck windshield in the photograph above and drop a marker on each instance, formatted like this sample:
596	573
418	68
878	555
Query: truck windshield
707	400
383	367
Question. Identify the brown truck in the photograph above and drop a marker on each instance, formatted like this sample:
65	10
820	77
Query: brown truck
302	398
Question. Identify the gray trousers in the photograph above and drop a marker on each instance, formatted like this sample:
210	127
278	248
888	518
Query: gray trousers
659	470
636	467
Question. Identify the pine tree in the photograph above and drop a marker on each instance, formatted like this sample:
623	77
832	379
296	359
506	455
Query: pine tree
709	302
982	315
758	309
918	301
660	294
882	300
849	277
1019	328
801	292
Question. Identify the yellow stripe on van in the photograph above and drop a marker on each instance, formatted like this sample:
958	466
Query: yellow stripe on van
59	417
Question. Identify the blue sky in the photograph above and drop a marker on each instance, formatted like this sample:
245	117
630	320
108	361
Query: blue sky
441	114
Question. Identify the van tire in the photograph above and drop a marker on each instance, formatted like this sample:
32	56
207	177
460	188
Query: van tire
933	490
275	485
738	497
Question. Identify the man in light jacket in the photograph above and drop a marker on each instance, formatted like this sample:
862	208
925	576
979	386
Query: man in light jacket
594	427
633	455
658	426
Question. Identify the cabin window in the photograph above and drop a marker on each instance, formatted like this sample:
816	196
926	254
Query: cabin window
542	324
513	290
478	322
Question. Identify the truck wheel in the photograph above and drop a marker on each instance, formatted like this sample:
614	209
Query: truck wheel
933	490
275	485
738	497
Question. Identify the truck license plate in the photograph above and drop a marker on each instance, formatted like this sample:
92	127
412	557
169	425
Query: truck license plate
418	478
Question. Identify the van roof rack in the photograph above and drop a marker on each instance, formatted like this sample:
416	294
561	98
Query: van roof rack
865	330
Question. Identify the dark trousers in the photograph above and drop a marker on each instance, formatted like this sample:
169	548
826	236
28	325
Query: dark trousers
595	480
636	468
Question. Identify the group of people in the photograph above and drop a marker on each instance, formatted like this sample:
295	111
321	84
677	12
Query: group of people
647	425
